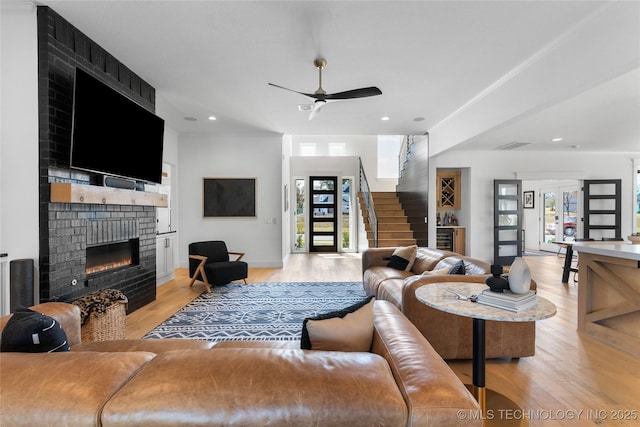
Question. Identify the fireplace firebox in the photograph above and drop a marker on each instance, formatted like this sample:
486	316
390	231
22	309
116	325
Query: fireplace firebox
110	256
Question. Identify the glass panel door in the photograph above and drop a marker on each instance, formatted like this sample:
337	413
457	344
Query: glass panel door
507	238
323	220
560	203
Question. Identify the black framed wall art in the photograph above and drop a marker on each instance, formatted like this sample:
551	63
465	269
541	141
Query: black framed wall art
528	199
229	197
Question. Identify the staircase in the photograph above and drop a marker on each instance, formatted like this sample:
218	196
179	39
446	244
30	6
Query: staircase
393	227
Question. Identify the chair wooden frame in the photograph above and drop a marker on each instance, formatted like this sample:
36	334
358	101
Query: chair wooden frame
201	273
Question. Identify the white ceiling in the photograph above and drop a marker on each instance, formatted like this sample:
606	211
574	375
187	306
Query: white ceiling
474	74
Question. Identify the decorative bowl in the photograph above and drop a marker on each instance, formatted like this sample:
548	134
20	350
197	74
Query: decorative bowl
634	239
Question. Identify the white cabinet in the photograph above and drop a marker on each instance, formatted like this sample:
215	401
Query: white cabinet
165	265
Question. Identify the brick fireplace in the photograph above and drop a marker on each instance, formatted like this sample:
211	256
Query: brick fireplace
70	232
77	232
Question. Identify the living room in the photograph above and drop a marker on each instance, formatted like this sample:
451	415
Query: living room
463	138
196	153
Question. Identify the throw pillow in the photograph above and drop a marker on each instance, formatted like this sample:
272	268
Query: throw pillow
28	331
403	258
458	268
349	329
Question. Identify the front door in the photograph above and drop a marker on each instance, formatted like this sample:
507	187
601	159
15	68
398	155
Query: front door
507	221
323	219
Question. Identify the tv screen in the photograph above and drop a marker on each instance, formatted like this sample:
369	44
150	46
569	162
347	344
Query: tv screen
112	134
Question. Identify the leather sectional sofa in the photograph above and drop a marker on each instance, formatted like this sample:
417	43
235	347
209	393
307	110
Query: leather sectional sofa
449	334
402	381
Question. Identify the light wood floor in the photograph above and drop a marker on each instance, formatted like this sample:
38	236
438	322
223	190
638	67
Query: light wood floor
572	380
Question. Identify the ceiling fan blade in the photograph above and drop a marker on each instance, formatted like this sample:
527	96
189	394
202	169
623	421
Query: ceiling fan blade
310	95
355	93
316	108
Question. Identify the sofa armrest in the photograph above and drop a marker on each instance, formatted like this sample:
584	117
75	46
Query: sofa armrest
68	315
433	392
376	256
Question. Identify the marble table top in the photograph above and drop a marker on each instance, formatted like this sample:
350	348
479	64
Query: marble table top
435	295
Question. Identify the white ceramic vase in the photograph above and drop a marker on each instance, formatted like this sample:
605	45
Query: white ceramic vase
519	276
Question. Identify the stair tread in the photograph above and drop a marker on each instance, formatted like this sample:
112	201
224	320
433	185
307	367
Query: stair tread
393	225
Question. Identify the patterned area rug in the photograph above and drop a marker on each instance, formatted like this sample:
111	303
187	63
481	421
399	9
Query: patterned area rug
257	311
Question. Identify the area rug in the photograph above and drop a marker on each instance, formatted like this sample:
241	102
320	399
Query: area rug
257	311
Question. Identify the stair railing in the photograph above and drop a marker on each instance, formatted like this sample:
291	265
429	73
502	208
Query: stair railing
402	155
369	206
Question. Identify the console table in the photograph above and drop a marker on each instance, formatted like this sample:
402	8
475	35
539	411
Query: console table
438	296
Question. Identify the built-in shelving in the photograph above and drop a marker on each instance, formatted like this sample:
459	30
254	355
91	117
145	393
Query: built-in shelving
93	194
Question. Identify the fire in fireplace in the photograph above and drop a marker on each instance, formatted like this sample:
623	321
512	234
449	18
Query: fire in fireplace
109	256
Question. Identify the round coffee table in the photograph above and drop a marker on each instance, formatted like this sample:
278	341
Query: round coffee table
440	297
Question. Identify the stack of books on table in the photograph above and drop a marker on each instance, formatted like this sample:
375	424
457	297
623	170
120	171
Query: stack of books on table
507	300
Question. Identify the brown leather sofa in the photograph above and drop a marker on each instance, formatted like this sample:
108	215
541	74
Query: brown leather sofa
449	334
401	382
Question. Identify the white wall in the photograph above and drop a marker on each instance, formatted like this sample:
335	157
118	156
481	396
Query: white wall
260	156
484	167
363	146
19	123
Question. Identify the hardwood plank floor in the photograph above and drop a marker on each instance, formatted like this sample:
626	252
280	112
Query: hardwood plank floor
572	380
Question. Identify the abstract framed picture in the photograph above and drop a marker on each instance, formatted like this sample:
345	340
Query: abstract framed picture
229	197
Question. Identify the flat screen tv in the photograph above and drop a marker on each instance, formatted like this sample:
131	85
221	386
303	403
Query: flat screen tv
112	134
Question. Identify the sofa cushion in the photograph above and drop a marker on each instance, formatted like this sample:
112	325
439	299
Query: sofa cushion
32	332
427	258
391	290
62	389
259	387
374	276
403	257
349	329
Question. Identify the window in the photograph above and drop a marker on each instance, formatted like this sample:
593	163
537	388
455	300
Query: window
388	151
307	149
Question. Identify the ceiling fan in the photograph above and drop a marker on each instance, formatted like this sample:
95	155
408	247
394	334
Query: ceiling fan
321	97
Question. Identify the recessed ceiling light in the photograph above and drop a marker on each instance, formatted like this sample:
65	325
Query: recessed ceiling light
212	118
419	119
385	118
190	119
556	139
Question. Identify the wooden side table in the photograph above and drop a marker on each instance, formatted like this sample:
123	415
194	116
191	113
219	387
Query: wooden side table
438	296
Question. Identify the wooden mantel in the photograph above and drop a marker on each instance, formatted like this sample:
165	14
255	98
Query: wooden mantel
93	194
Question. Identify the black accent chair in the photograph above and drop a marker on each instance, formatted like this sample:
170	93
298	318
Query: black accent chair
210	262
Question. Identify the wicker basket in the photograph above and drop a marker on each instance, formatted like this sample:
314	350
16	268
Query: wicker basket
110	325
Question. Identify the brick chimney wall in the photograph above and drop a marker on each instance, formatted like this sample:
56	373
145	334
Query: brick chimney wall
66	229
